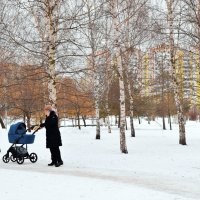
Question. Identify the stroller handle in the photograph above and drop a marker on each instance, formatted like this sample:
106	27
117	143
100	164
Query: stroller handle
36	130
32	127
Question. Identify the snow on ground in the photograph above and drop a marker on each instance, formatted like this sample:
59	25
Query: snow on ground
156	168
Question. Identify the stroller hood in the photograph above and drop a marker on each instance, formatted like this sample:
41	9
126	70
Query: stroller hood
18	128
17	134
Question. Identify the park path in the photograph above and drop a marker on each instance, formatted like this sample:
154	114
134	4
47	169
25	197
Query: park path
185	187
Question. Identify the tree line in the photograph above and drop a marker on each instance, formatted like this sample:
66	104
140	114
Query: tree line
82	58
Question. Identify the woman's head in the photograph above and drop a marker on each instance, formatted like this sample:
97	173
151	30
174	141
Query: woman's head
48	109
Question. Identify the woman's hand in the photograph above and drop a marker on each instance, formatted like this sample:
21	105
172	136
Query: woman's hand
42	125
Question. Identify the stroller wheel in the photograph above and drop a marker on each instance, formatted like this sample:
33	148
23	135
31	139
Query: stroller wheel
20	160
33	157
6	159
12	158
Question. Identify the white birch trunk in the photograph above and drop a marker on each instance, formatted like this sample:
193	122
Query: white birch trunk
108	111
108	82
98	135
175	83
91	27
121	78
131	110
51	68
128	71
131	107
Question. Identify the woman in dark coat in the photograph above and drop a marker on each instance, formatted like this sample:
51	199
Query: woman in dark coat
53	138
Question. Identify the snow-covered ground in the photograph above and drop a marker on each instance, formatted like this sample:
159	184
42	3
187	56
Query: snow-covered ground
156	167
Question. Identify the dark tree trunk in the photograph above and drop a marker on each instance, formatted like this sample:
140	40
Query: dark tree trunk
79	126
148	119
2	123
119	121
116	122
164	127
139	120
170	123
84	120
132	127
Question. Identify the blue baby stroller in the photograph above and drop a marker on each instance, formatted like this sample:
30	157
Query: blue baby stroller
18	136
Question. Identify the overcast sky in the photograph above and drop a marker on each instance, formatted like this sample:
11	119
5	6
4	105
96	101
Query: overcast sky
159	2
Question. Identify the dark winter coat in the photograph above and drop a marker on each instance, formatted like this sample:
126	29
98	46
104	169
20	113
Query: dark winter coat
53	138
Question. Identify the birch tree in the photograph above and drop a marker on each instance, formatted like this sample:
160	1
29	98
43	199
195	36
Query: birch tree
44	33
191	32
176	82
108	69
91	34
135	25
117	47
